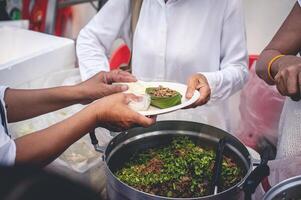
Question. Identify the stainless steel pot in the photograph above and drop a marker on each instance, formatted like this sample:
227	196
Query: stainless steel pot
122	146
289	189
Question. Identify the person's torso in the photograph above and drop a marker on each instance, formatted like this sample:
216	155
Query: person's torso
3	122
175	40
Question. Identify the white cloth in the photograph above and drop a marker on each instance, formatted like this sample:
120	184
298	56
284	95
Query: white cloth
289	138
172	41
7	145
299	1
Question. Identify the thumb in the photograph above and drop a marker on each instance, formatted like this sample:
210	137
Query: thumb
192	83
116	88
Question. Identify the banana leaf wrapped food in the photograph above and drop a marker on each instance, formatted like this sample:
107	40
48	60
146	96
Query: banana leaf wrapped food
163	97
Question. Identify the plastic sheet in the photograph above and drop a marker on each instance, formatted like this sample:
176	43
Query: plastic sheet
260	110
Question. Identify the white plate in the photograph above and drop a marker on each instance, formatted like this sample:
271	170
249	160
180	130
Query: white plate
181	88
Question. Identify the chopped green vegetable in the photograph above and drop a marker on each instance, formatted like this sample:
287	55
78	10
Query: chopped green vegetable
163	97
181	169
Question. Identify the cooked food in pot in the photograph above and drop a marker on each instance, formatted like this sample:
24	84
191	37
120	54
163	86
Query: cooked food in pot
163	97
181	169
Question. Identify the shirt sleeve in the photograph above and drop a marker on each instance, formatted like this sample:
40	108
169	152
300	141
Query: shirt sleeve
7	145
233	71
97	37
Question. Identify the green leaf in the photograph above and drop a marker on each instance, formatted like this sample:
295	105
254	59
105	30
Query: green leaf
164	102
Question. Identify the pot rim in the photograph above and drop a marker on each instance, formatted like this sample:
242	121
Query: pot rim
282	186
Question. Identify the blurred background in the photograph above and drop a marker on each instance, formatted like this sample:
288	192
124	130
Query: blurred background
67	17
32	56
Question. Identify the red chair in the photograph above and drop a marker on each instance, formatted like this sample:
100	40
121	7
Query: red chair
252	59
120	57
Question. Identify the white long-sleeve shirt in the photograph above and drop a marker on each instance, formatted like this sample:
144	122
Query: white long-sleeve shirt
7	145
172	41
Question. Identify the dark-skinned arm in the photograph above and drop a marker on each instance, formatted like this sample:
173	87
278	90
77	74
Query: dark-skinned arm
112	112
25	104
287	41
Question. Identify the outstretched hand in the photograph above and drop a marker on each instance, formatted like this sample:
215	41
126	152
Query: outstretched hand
100	85
113	113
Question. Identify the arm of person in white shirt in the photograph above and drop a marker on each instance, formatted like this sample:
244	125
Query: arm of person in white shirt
25	104
97	37
286	71
112	112
233	71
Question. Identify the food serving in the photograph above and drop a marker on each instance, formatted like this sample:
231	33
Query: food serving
159	97
163	97
182	169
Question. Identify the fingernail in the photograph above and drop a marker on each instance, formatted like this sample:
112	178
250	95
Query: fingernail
124	87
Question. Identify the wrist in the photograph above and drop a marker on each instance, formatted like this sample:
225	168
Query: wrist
80	95
94	113
273	66
99	111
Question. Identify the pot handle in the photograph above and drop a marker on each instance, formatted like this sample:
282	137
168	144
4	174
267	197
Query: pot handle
94	142
256	176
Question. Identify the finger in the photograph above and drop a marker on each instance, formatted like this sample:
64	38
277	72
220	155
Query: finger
112	89
121	76
297	96
124	78
154	117
189	107
204	95
191	85
205	92
144	121
201	102
110	76
124	73
292	84
280	84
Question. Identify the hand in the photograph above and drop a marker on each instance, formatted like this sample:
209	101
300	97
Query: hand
200	83
288	77
114	113
100	85
117	76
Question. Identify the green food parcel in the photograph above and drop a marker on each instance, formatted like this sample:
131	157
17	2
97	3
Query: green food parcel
162	97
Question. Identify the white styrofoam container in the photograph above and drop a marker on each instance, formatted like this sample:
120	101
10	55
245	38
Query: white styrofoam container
27	55
23	24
